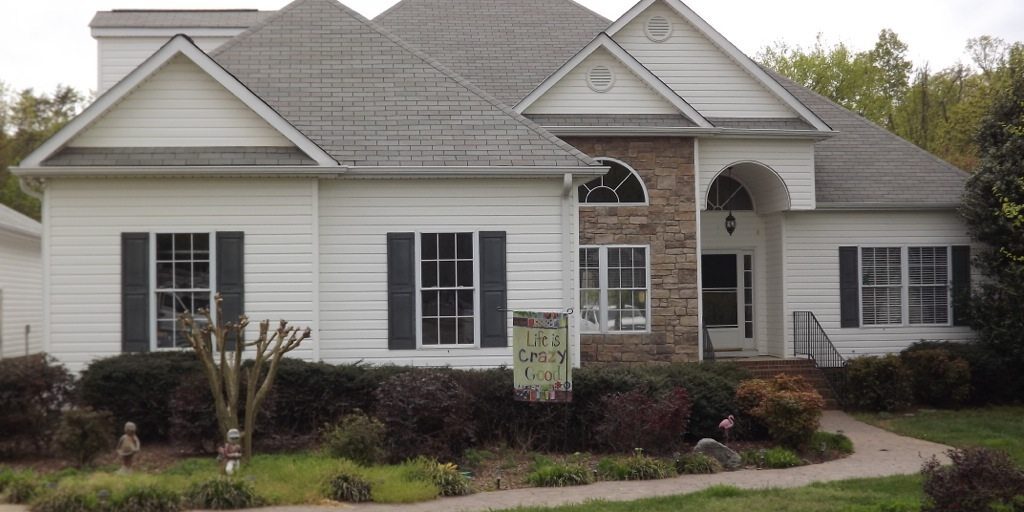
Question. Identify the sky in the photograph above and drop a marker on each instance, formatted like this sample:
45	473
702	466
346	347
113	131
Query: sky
44	43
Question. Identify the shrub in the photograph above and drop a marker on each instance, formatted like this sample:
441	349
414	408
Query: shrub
447	478
358	437
67	501
879	384
712	390
349	488
138	388
826	443
193	419
23	488
222	494
307	395
696	464
780	458
33	391
146	499
426	413
635	467
995	378
939	378
84	434
635	419
559	475
977	479
788	407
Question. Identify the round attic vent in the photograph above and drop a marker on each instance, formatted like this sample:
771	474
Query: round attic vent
658	29
600	78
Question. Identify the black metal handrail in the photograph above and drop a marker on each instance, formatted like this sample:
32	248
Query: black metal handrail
707	346
812	342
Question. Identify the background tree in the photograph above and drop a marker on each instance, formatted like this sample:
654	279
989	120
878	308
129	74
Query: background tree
26	120
221	346
992	207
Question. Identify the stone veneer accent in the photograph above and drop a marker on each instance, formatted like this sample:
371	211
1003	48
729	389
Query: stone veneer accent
669	226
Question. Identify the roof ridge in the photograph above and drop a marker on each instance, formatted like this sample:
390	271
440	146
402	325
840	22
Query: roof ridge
861	119
234	41
596	15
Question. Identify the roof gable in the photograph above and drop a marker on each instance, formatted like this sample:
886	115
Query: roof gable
179	46
14	222
506	47
179	105
566	91
369	99
705	68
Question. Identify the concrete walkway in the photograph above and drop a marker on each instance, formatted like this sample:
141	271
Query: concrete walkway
878	453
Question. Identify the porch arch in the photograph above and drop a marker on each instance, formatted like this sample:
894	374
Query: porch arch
767	189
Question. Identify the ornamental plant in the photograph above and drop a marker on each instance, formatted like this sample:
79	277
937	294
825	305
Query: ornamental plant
786	406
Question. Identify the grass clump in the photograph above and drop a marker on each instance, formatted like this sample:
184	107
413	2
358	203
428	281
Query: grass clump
696	464
773	458
826	442
447	477
358	437
67	501
222	494
349	488
547	473
636	467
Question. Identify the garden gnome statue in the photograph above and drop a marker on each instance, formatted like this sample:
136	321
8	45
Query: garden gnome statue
127	447
230	455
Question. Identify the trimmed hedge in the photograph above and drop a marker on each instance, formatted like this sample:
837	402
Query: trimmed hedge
33	392
879	384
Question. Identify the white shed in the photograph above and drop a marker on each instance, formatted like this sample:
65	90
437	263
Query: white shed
21	284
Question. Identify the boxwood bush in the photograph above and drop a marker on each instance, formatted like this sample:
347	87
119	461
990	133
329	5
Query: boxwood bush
879	384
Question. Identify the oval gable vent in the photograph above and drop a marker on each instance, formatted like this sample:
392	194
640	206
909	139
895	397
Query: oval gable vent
659	28
600	78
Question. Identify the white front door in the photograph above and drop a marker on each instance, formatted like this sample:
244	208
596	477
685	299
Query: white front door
728	299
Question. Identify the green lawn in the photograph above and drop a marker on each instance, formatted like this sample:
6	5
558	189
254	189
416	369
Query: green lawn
1001	428
893	494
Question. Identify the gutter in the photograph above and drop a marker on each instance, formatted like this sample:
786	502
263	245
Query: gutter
887	206
685	131
37	174
20	231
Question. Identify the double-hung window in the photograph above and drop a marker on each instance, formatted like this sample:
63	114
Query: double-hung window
614	289
905	285
183	282
447	289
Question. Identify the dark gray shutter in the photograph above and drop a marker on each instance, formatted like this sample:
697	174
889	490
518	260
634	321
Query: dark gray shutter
961	284
231	275
401	291
849	288
135	330
493	290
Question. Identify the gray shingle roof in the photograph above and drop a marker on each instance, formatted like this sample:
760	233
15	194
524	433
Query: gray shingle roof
507	47
367	98
866	164
144	18
605	120
220	156
758	123
11	220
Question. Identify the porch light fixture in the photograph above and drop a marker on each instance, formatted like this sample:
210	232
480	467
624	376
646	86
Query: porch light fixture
730	224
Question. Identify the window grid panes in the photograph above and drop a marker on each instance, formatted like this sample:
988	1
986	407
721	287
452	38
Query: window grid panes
881	285
618	300
620	185
182	283
928	280
447	289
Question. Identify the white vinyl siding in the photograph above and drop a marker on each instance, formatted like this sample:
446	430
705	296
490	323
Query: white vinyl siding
793	161
118	56
628	94
87	218
20	294
180	106
700	72
774	310
812	270
357	215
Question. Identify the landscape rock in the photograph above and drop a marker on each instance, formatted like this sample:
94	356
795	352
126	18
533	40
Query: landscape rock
729	459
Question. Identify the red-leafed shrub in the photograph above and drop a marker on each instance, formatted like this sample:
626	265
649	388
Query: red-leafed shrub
33	391
425	412
786	406
640	419
979	479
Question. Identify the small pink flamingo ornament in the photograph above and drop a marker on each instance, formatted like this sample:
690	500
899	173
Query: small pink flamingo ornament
726	425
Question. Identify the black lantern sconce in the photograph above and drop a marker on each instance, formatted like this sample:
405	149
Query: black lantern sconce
730	224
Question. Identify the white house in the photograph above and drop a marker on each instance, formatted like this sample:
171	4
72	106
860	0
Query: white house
401	184
21	284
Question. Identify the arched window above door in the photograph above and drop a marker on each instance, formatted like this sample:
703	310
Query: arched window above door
728	194
622	185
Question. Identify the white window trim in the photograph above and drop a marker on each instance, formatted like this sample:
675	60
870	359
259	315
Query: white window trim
647	195
603	288
905	285
152	282
476	291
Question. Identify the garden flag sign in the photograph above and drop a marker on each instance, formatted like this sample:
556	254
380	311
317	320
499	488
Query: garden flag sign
542	366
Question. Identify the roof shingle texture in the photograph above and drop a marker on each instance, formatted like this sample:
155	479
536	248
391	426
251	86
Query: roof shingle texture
866	164
242	18
367	98
612	120
506	47
218	156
